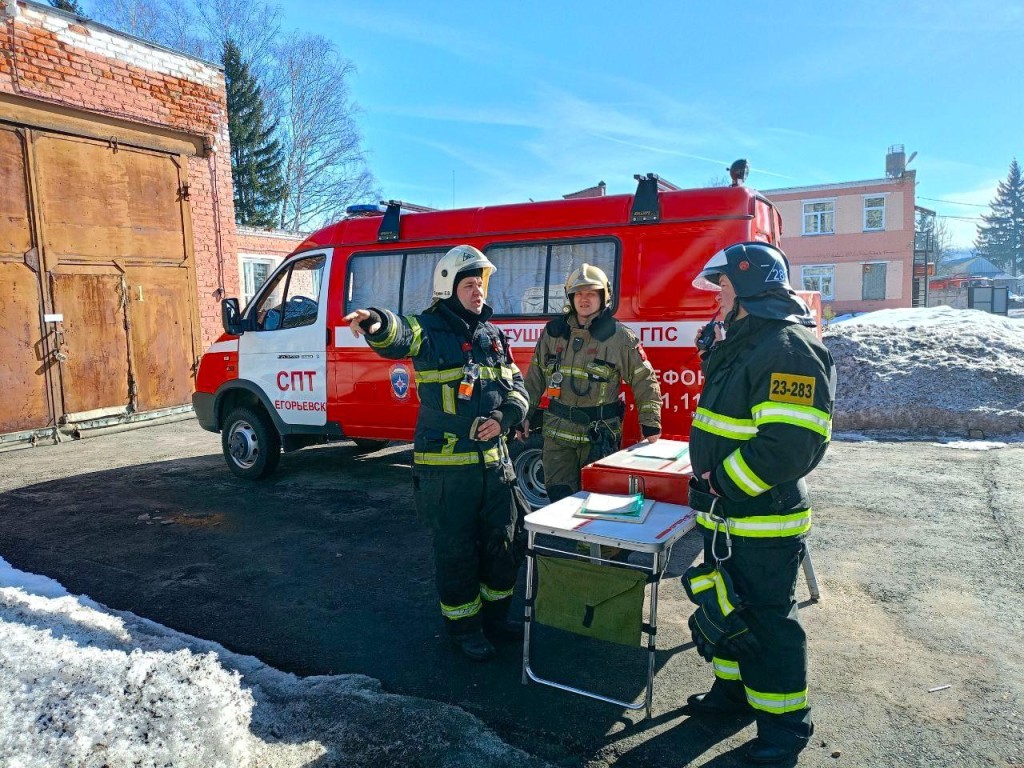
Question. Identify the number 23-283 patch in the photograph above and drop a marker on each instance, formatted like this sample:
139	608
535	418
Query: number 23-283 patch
790	388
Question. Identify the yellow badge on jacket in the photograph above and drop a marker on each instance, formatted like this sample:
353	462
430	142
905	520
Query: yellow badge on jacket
790	388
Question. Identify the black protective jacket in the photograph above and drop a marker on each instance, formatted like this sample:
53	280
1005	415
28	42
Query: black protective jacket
763	422
442	345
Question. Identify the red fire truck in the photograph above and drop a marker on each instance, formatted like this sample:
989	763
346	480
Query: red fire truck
288	372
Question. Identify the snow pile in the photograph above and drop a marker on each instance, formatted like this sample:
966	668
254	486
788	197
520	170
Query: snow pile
85	686
929	372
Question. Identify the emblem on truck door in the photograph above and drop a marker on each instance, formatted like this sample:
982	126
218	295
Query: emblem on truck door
400	381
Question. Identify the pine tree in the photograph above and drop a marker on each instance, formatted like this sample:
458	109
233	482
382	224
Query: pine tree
68	5
1001	238
256	156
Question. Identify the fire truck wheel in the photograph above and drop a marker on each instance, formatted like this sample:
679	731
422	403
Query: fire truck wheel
368	445
252	446
526	458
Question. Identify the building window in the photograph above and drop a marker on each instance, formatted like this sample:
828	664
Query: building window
255	271
873	281
820	217
821	279
874	213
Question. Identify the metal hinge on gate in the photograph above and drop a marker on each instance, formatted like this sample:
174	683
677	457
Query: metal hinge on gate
112	143
183	192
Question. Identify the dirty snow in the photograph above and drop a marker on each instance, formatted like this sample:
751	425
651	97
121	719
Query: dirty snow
82	685
929	373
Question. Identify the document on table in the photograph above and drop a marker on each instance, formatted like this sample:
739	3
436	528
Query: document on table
631	508
663	449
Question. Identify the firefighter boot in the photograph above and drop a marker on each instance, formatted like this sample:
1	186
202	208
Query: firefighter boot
725	699
497	624
780	737
474	645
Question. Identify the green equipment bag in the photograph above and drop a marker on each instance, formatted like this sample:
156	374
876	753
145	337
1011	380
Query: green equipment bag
591	600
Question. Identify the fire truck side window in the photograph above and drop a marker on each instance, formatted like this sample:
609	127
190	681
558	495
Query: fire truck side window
401	282
292	298
375	280
419	280
531	278
302	302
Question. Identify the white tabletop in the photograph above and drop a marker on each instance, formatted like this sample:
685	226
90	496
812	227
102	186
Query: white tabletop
665	523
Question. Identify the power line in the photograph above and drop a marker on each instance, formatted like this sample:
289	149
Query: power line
951	202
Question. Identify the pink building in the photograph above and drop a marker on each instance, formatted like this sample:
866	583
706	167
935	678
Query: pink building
853	241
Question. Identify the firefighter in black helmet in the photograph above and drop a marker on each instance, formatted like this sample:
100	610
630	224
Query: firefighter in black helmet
763	423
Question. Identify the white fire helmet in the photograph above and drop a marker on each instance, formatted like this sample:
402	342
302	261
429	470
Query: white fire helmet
461	258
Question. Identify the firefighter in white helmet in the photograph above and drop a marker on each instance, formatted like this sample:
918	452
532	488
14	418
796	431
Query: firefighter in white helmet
763	423
580	363
471	394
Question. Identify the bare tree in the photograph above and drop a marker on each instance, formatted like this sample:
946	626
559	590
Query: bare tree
325	168
200	27
254	27
136	17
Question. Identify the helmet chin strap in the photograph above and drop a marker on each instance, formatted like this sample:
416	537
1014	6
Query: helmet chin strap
732	315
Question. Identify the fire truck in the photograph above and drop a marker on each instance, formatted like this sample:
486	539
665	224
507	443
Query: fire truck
288	372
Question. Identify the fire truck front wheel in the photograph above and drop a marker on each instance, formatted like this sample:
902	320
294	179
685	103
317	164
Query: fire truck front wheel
252	446
526	458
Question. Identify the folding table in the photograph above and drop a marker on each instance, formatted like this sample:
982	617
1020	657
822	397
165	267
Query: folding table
665	524
662	478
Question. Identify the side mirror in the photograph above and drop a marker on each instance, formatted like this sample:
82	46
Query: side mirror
231	317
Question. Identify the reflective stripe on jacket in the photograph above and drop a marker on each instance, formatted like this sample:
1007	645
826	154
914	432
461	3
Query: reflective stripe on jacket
764	421
609	355
433	340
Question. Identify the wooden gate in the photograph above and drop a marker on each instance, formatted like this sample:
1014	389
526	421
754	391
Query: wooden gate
97	284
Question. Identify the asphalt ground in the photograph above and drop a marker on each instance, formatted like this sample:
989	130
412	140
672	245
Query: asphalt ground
325	569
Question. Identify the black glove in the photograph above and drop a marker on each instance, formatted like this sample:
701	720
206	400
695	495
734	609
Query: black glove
704	648
521	431
368	323
716	626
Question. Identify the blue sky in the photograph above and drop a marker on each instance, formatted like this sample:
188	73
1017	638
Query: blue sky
481	103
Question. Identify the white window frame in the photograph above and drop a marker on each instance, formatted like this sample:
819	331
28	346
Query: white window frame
830	296
272	263
818	215
879	196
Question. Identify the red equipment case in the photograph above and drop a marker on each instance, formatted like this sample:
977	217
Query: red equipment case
664	478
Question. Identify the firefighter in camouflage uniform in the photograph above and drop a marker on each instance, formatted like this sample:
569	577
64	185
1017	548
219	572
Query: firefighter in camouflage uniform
471	394
580	362
763	423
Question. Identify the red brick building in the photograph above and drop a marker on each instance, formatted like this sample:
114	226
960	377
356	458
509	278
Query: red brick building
117	234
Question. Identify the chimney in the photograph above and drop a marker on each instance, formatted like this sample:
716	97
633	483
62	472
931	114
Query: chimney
895	162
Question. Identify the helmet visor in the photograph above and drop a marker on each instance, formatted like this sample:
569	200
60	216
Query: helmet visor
709	277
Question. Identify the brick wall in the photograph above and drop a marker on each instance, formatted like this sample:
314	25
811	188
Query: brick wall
53	57
268	242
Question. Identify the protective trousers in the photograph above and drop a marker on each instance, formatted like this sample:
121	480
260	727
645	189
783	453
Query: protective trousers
473	518
563	462
773	682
